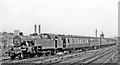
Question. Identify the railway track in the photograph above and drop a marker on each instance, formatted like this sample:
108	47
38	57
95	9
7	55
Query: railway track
56	59
97	58
62	58
100	58
78	58
7	60
111	58
72	58
114	59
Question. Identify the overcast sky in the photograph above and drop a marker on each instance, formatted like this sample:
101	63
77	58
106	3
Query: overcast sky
80	17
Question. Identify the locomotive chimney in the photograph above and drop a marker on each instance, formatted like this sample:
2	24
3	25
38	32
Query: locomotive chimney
39	29
35	29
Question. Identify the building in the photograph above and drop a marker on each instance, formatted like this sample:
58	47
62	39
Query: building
16	32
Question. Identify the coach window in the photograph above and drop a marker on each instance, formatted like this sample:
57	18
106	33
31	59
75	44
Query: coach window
73	40
61	39
76	40
70	40
80	40
85	40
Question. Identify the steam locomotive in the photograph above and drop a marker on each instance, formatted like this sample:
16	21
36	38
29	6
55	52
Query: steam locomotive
50	44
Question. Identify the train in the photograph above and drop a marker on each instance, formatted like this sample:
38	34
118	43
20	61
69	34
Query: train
51	44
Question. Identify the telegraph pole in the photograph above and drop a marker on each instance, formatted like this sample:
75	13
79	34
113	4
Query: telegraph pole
96	33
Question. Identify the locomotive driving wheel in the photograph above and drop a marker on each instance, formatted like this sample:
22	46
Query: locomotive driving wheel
21	56
12	57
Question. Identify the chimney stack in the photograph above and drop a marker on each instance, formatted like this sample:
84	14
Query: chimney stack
35	29
39	29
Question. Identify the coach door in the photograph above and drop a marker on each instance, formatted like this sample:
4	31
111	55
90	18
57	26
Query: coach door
64	43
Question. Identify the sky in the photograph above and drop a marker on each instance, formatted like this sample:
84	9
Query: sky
74	17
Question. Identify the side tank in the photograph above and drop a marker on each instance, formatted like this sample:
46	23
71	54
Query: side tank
47	41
